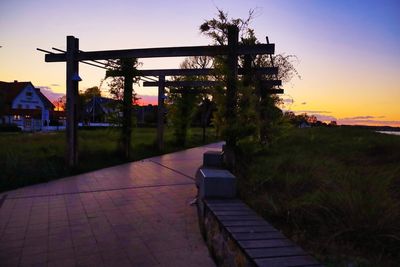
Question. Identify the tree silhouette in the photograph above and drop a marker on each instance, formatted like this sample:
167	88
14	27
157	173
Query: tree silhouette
257	110
183	104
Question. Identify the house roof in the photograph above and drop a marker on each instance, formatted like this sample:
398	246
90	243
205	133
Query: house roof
10	90
101	105
47	103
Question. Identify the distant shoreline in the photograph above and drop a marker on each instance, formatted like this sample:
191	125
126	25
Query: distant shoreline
389	132
375	128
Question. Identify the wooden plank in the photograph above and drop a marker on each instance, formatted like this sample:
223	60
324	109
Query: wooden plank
270	243
177	72
185	51
190	91
208	91
258	236
267	84
227	207
250	229
201	72
216	206
287	261
275	91
270	83
186	83
216	202
245	223
235	218
224	202
244	212
275	252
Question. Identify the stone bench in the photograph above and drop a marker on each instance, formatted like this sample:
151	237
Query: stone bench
237	236
213	159
234	233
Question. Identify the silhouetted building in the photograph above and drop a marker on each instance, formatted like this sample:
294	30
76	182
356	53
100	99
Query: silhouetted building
25	106
146	114
101	110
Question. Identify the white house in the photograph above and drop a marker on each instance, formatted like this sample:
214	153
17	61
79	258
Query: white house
24	105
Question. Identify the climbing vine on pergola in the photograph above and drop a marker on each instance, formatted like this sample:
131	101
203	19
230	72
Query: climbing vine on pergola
72	56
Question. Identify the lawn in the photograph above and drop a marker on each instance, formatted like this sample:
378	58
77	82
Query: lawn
335	191
29	158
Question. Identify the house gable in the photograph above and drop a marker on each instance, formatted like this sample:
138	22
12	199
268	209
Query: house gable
28	98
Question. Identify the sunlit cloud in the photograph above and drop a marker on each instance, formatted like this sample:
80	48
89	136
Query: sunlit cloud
288	100
313	111
49	93
364	117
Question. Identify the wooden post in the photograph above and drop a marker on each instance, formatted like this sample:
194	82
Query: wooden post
72	101
160	112
127	70
231	95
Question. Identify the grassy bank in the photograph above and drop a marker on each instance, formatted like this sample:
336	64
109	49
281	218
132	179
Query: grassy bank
335	191
28	158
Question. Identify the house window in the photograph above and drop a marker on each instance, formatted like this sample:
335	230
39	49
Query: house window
17	117
37	107
29	94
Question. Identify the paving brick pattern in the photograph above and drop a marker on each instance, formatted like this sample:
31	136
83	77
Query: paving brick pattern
135	214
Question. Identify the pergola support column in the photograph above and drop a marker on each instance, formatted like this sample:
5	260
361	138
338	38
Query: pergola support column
72	101
160	112
127	70
231	95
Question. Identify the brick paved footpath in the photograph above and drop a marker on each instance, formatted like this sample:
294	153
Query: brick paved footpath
135	214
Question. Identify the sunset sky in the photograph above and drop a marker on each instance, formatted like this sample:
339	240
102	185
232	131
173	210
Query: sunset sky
348	51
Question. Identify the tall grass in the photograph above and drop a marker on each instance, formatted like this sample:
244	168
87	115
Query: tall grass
335	191
29	158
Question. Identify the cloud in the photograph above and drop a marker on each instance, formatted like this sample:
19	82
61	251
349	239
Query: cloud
368	120
363	117
320	114
304	103
321	117
288	100
55	84
313	111
49	93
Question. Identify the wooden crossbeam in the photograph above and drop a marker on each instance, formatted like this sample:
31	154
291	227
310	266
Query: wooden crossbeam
185	51
186	83
191	91
270	83
275	91
208	91
266	83
201	72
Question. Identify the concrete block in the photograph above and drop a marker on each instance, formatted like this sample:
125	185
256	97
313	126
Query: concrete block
213	159
216	183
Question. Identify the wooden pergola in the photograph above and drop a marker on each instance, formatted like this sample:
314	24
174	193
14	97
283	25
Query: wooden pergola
72	56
